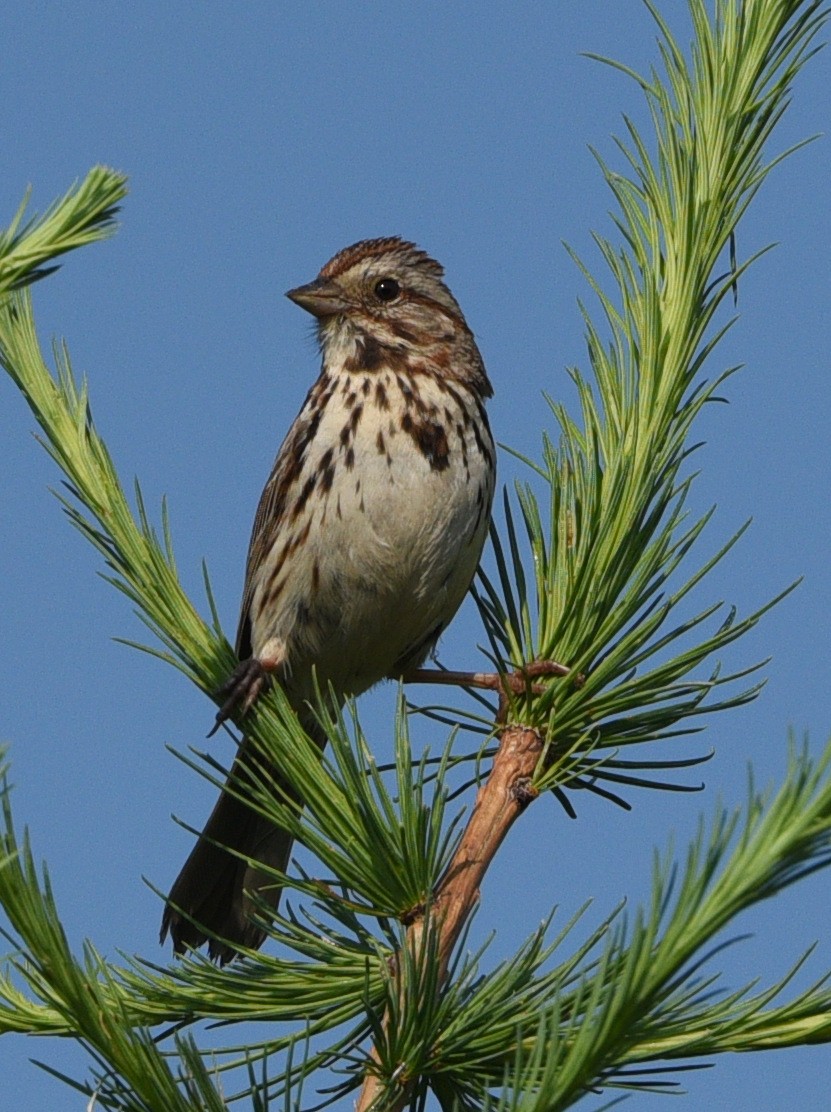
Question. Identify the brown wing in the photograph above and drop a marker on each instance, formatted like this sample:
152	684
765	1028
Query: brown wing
288	468
266	523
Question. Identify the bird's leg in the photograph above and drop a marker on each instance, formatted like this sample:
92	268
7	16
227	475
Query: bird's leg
516	682
248	681
244	686
492	681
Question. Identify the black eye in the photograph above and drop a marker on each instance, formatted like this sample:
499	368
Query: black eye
387	289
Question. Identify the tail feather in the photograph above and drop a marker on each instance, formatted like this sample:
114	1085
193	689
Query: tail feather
212	895
213	899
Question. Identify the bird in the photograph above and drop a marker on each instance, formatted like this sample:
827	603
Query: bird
365	541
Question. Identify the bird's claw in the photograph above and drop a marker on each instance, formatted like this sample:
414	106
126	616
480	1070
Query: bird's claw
241	690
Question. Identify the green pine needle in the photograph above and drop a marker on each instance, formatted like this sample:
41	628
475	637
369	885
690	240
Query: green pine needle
599	567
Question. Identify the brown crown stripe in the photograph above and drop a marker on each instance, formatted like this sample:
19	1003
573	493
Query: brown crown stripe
373	249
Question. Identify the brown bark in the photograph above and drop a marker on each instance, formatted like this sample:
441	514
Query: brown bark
500	801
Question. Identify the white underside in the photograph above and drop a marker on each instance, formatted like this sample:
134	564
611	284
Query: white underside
395	548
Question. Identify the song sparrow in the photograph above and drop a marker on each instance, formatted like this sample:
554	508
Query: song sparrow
365	541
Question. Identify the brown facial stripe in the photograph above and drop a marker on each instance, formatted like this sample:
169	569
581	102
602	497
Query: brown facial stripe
372	356
372	353
405	334
458	324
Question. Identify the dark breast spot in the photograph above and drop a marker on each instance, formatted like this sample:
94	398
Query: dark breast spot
303	496
460	433
484	446
406	389
458	402
381	445
372	354
347	433
410	388
301	538
483	504
430	439
273	590
293	453
327	471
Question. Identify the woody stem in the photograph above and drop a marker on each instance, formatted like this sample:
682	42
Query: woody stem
500	801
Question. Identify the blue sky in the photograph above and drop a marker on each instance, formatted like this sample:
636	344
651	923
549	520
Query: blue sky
259	139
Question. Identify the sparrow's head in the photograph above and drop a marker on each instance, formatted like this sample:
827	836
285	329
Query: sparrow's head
384	300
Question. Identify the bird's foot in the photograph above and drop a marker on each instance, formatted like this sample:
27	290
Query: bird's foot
492	681
515	682
241	690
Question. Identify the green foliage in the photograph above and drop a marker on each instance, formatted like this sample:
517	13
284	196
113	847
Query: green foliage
84	215
596	591
586	574
556	1017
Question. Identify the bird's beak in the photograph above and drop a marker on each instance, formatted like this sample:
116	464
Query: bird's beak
321	298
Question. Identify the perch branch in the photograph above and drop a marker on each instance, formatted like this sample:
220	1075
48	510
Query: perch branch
500	801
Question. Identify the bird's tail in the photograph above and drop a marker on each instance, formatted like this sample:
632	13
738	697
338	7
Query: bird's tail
213	897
